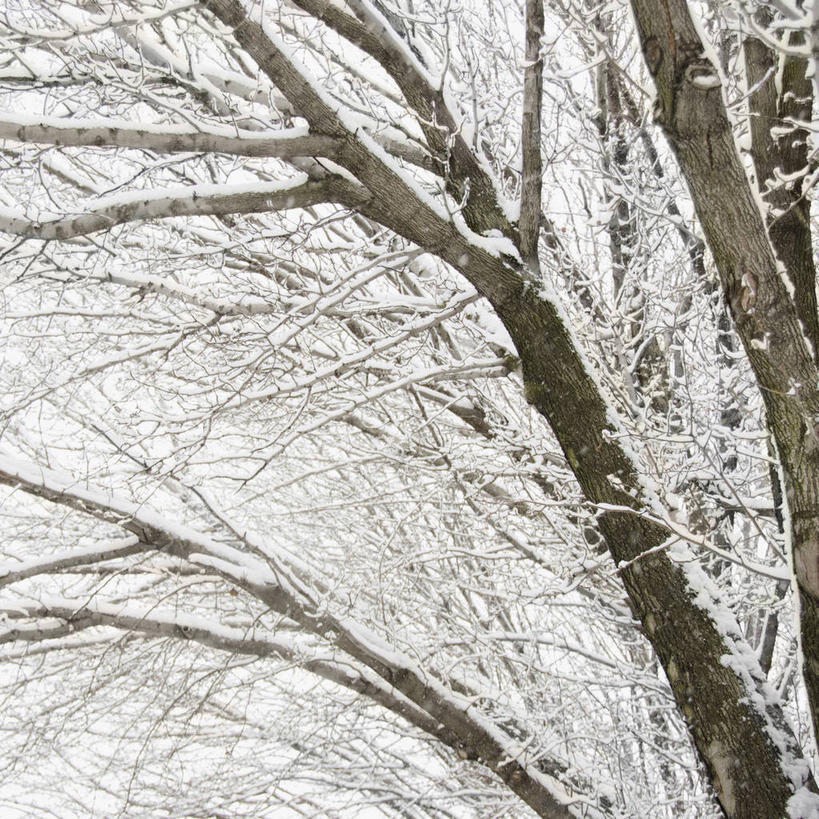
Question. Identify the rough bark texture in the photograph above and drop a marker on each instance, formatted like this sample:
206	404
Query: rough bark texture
467	180
736	748
784	156
731	730
530	194
771	323
188	201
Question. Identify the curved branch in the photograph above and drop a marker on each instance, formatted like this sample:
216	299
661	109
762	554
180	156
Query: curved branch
109	20
329	666
692	111
275	585
691	640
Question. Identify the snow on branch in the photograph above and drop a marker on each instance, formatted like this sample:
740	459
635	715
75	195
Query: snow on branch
69	559
149	527
286	143
112	18
274	584
468	179
52	618
196	200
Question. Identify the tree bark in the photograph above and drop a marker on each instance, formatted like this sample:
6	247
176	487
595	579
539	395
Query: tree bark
789	220
691	110
739	731
530	186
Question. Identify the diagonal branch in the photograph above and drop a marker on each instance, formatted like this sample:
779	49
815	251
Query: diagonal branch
468	180
270	581
726	705
693	114
54	618
69	559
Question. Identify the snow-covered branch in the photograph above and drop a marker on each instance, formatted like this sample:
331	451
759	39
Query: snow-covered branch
111	19
198	200
322	438
285	144
277	586
467	177
70	559
52	618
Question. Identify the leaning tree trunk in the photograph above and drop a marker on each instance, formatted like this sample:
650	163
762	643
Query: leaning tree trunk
750	755
774	311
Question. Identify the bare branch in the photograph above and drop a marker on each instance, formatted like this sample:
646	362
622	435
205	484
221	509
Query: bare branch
530	193
112	19
69	559
104	133
467	178
199	200
169	138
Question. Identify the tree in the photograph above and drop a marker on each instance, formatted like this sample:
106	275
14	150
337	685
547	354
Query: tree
301	371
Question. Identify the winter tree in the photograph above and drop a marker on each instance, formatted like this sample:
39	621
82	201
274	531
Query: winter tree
408	408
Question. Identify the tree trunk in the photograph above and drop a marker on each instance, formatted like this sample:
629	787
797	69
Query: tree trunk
739	732
692	112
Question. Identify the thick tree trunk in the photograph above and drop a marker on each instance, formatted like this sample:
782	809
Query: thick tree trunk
748	750
767	317
730	729
782	95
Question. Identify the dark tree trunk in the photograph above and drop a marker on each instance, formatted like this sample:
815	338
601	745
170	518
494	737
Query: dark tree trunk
775	327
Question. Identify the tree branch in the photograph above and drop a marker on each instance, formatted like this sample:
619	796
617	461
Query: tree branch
103	133
781	97
661	589
71	558
530	193
198	200
467	178
274	584
153	624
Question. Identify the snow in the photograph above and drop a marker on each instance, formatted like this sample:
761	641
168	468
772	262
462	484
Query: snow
14	119
272	541
194	192
76	555
439	699
706	81
64	485
804	804
245	568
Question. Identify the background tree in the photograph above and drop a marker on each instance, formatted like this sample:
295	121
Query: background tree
375	431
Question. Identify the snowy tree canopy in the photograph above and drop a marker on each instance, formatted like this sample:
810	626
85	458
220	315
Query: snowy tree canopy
408	408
